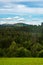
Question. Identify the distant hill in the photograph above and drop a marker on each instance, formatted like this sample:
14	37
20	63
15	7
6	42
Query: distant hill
24	27
20	24
16	24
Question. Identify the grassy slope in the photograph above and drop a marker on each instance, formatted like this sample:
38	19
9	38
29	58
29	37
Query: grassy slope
21	61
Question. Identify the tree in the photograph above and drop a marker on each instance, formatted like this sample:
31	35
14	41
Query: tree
36	48
12	50
23	52
2	53
40	54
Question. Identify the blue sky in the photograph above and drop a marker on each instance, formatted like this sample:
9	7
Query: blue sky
25	11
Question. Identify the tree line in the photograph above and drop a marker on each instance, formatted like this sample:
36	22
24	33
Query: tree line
24	41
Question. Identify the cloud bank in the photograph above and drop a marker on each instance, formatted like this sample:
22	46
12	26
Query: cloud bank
24	8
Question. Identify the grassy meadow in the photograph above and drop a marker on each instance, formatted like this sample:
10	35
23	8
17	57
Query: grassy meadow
21	61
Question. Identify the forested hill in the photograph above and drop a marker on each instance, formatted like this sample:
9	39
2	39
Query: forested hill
16	24
23	27
21	40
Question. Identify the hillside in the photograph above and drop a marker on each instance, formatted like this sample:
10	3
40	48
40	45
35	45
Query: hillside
21	40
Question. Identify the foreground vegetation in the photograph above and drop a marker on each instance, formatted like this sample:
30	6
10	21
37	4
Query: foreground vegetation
21	61
21	40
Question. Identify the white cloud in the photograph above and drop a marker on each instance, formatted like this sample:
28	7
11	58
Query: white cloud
21	19
17	19
17	8
28	0
21	9
7	6
5	0
11	20
33	22
19	0
2	22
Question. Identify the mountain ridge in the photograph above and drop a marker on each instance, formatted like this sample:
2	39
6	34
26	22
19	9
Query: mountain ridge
16	24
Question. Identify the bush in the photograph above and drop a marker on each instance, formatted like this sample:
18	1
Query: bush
40	54
23	52
12	50
2	53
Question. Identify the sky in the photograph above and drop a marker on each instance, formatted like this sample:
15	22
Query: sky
21	11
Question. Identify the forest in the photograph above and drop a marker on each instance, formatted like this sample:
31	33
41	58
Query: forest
21	40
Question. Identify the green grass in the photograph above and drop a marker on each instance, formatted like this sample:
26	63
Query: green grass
21	61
